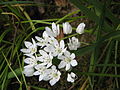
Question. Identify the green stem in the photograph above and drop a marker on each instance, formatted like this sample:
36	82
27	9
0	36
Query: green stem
11	68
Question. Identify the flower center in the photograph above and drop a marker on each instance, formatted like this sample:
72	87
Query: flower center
68	60
55	75
33	62
33	50
49	60
41	70
58	50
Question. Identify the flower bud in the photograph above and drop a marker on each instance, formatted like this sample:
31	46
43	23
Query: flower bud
67	29
80	28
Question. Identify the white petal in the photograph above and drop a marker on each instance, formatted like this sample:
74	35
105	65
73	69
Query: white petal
27	60
64	28
41	77
67	67
62	44
74	63
51	57
64	49
69	40
28	44
43	53
69	28
61	57
49	64
73	75
55	42
52	82
59	73
58	30
53	67
46	78
45	35
38	38
28	71
25	50
61	65
49	32
28	66
67	53
72	56
36	73
49	48
41	59
34	43
30	55
38	66
54	28
72	46
69	78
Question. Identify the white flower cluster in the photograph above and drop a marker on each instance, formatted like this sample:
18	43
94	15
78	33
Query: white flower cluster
40	54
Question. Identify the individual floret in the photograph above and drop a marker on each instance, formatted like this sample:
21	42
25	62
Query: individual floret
73	43
71	77
31	48
67	61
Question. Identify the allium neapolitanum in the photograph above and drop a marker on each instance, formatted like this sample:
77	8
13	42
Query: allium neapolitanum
42	50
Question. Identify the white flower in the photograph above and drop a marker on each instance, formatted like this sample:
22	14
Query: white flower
80	28
43	41
57	48
54	75
31	47
31	60
67	60
46	59
73	43
67	29
42	71
55	29
54	32
28	71
71	77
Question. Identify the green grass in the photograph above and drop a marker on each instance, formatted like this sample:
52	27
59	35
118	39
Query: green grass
103	62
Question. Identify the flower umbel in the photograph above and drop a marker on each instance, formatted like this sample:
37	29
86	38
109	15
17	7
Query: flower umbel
50	53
